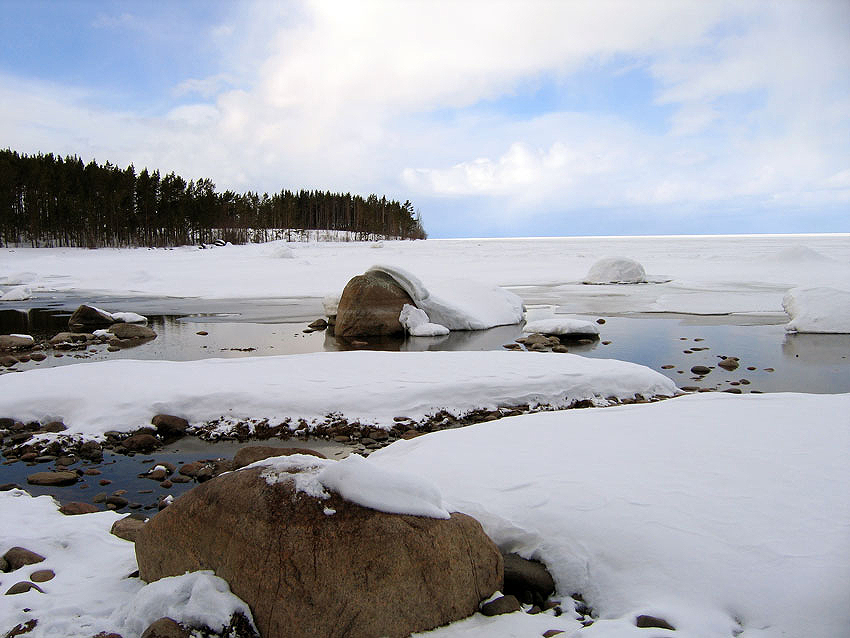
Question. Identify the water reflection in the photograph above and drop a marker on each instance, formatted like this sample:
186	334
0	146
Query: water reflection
817	348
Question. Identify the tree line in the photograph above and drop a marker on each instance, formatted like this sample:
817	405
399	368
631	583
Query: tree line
46	200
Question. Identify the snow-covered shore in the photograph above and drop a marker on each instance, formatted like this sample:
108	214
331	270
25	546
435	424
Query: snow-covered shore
708	275
370	387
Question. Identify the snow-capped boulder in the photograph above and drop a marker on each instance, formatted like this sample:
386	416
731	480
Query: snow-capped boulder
825	310
616	270
85	316
370	305
15	342
310	563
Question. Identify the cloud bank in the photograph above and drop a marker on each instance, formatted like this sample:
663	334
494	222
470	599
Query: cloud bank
497	113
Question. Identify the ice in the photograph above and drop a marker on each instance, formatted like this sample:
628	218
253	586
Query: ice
91	398
817	310
391	491
562	326
417	324
708	510
18	293
616	270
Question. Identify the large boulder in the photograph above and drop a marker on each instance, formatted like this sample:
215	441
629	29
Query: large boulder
370	305
309	566
131	331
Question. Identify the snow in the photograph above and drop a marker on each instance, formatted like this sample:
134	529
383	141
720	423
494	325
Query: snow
18	293
128	317
708	510
417	323
817	310
391	491
23	336
561	326
458	304
198	599
616	270
395	492
707	274
372	387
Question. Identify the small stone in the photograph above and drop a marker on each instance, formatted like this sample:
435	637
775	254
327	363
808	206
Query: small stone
166	628
512	346
17	557
141	442
729	363
54	479
552	632
54	426
116	502
104	481
38	356
100	497
667	366
733	390
202	333
701	370
600	321
91	471
769	370
561	349
606	343
318	324
646	621
23	587
502	605
76	508
131	331
42	575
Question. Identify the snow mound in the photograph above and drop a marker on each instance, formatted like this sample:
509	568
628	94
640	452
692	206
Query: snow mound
798	253
303	469
128	317
417	324
561	326
91	397
18	293
282	251
391	491
199	599
817	310
459	304
616	270
330	303
678	509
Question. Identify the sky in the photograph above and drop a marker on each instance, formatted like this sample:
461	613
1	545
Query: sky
532	118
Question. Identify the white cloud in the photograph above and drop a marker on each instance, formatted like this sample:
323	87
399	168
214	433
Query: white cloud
343	95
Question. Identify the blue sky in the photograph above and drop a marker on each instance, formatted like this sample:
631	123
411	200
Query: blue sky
494	118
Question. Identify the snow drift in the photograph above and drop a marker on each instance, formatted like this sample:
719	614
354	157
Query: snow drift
817	310
459	304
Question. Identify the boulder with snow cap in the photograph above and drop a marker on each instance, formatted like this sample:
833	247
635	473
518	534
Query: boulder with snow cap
311	563
370	306
86	316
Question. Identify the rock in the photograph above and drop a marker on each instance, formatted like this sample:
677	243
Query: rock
701	370
128	527
17	557
131	331
116	502
42	575
38	356
502	605
528	580
560	349
54	479
75	508
512	346
318	324
729	363
54	426
653	621
15	342
549	633
24	628
169	426
4	566
91	451
141	442
370	306
23	587
254	453
8	361
356	573
86	316
166	628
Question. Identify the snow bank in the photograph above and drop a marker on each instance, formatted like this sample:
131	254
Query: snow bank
198	599
561	326
91	566
92	398
128	317
722	514
616	270
459	304
817	310
417	323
